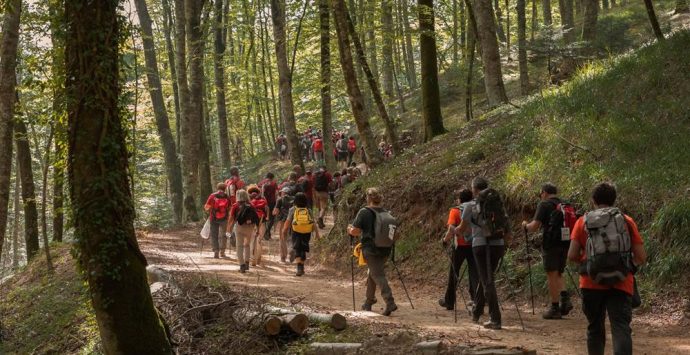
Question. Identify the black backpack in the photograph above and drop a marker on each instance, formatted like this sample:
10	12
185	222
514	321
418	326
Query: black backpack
246	214
492	215
321	182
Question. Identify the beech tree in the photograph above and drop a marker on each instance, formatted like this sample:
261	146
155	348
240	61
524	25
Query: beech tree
431	97
491	59
326	112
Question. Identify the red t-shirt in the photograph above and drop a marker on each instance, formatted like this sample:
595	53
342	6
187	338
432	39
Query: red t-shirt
260	207
579	233
454	219
232	185
307	183
269	188
318	145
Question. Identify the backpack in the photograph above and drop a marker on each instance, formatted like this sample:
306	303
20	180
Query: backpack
247	213
492	215
468	234
385	226
561	223
302	222
221	204
341	146
321	182
351	146
608	248
318	145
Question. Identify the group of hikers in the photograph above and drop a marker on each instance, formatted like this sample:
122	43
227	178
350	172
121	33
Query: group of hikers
604	243
313	148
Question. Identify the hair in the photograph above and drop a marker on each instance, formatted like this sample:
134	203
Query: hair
344	172
300	200
242	196
464	195
480	183
336	174
297	169
604	194
549	188
220	186
292	176
234	171
270	175
374	195
351	137
253	189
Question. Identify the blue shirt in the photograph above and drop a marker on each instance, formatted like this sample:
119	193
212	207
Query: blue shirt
470	214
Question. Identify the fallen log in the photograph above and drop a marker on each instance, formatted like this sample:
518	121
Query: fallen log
295	322
335	348
336	320
270	323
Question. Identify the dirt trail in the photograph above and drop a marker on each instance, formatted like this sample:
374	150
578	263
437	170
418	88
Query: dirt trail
320	287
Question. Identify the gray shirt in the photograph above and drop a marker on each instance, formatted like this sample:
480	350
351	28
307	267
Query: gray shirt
470	214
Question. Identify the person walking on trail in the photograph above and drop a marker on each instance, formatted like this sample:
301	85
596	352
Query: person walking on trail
607	283
364	227
306	183
280	212
301	222
341	148
269	190
488	246
322	183
317	146
218	207
245	220
261	206
233	184
551	216
351	149
460	251
281	145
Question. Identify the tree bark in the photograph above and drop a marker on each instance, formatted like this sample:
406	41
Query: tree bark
28	190
653	20
535	20
522	46
285	81
101	199
57	37
589	24
454	33
44	198
374	157
387	47
409	62
326	110
546	10
499	22
372	49
172	164
431	97
15	220
565	8
219	75
491	59
8	82
168	25
682	7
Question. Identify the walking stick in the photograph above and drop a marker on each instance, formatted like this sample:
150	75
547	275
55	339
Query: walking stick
400	277
529	269
512	293
458	281
352	271
570	276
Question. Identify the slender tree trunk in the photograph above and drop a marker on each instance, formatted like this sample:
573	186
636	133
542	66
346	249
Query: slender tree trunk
387	47
567	20
219	75
431	99
371	39
491	59
653	20
285	81
58	190
98	170
499	22
507	2
410	63
28	190
535	20
682	7
522	46
454	33
168	25
472	44
8	81
354	94
172	164
546	10
270	115
57	37
326	114
604	5
44	198
15	222
589	24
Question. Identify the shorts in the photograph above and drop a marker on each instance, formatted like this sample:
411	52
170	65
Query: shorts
555	259
342	156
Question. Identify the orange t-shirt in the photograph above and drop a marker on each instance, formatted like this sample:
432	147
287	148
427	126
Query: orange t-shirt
454	219
579	233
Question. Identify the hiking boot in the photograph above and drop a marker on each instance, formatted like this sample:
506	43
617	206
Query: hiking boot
283	260
477	313
215	255
552	313
492	325
246	266
292	256
321	224
242	269
367	305
300	270
390	308
442	303
222	254
566	305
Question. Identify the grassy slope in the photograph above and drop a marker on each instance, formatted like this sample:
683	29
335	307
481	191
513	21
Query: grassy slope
42	313
623	119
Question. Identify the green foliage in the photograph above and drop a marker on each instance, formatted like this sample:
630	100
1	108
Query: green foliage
668	242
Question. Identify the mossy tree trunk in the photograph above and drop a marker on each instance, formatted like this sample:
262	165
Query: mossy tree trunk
387	47
219	76
589	23
28	190
565	8
522	46
491	59
431	98
546	11
410	66
653	20
326	109
98	169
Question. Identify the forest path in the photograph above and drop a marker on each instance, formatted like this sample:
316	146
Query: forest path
323	288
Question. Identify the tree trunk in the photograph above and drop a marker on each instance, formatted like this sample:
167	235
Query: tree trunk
285	81
682	7
567	20
535	20
371	39
604	5
499	22
172	164
28	190
431	99
57	37
589	24
374	157
44	198
472	44
522	46
507	2
653	20
491	59
326	114
546	9
15	220
387	47
409	63
168	24
98	171
219	75
373	85
8	82
454	34
58	192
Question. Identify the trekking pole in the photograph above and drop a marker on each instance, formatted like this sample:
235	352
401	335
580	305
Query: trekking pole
570	276
352	271
529	269
512	293
458	281
400	277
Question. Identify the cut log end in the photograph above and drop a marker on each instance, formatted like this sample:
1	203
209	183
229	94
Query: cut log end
272	325
297	322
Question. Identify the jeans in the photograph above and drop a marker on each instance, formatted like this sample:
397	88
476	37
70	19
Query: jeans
377	277
618	304
244	234
218	238
459	255
486	292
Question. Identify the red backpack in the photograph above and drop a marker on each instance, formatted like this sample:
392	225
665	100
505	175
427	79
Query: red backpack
221	206
318	145
561	223
351	146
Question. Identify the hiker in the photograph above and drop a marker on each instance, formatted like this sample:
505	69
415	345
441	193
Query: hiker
341	148
283	205
217	206
351	149
281	143
363	227
488	246
317	146
551	217
301	222
322	182
233	183
460	251
269	190
306	183
607	283
261	206
244	218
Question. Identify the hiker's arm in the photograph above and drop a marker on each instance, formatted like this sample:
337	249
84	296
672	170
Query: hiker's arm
353	231
639	254
449	233
574	251
231	221
531	226
462	228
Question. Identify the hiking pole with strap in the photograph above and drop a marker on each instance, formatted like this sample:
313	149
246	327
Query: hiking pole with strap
352	271
512	292
400	277
529	268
